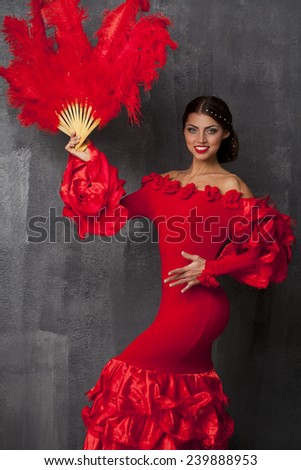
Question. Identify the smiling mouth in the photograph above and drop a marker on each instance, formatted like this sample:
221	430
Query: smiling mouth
201	148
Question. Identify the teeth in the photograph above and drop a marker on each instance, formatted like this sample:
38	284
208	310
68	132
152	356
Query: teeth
201	148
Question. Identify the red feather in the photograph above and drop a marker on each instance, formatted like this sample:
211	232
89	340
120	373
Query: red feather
55	64
66	18
144	53
145	5
116	24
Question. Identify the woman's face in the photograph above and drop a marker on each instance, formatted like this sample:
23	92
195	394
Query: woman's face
203	136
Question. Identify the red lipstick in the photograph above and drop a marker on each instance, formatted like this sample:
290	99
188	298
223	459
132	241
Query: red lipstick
201	148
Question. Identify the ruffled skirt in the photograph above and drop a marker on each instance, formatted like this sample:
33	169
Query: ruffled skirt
135	408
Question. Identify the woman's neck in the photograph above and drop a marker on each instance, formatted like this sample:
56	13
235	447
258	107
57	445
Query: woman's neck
198	168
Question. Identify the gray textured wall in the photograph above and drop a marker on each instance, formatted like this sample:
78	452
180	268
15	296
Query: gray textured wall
68	307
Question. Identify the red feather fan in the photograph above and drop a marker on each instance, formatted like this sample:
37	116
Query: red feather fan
57	75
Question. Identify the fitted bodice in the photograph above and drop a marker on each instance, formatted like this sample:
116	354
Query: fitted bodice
196	221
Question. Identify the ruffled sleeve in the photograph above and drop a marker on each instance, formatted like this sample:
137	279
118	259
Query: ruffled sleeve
259	248
94	196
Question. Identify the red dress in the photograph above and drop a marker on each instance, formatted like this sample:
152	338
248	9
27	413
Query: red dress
162	391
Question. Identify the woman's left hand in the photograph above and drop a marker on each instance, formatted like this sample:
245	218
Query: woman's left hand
188	273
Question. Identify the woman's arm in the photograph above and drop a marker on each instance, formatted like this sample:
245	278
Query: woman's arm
265	255
232	263
229	264
93	193
204	271
259	260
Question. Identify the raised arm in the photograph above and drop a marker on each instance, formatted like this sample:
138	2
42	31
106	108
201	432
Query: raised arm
94	195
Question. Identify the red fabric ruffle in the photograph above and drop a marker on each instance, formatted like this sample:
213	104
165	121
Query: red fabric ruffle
91	192
135	408
263	225
207	278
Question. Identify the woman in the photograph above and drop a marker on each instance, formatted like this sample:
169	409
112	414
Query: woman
162	391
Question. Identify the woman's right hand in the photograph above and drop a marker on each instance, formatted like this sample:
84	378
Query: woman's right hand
70	147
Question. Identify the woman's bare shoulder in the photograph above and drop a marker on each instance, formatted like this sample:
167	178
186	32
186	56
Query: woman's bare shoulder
232	181
171	173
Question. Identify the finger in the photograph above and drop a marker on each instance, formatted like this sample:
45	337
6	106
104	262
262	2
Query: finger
174	277
188	273
185	288
186	278
69	146
74	137
72	143
188	255
176	271
189	285
181	281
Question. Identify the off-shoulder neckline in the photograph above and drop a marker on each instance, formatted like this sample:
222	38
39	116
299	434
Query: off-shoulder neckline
168	178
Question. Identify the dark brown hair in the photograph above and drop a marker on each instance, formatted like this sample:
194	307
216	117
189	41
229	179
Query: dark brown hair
220	112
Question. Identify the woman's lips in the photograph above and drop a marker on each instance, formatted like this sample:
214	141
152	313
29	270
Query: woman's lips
201	149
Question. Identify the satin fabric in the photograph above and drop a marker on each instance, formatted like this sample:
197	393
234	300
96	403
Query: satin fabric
135	408
161	391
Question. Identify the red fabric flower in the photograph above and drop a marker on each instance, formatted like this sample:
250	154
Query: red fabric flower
207	279
232	198
147	178
187	190
171	187
91	192
158	181
212	192
273	232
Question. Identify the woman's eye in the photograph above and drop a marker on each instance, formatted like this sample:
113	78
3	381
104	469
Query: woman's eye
193	130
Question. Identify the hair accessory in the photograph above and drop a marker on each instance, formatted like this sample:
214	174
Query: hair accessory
221	117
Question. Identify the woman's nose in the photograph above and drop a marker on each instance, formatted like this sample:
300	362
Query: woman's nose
201	136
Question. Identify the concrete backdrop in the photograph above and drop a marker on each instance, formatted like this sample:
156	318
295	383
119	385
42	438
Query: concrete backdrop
67	308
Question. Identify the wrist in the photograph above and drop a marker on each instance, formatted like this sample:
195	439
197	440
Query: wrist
90	154
211	266
207	277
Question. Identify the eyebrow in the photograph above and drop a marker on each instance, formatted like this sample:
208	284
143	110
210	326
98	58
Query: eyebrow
212	125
